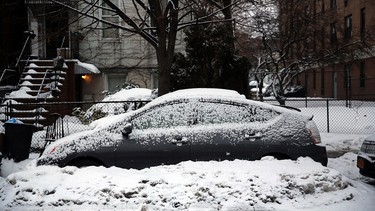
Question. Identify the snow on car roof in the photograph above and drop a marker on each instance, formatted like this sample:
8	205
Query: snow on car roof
210	93
200	92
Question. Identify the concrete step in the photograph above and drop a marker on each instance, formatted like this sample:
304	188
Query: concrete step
38	72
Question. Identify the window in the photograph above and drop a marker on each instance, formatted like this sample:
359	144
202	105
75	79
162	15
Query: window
362	23
333	4
333	33
314	79
323	6
347	76
107	15
346	2
115	82
348	27
166	116
221	112
154	80
322	87
362	75
323	38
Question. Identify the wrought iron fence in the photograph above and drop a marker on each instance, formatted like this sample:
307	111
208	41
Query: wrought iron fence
330	115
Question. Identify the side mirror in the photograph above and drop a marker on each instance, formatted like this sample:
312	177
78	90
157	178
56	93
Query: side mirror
127	129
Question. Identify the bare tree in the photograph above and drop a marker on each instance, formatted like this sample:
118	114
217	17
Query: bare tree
295	37
156	21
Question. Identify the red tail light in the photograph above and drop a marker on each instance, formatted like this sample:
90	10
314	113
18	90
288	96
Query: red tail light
314	132
316	140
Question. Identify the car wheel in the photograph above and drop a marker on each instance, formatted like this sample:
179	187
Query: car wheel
84	162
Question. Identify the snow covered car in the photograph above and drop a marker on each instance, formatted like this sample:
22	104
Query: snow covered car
366	157
192	124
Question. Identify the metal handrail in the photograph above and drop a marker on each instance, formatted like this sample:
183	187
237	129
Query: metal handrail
46	2
41	84
5	70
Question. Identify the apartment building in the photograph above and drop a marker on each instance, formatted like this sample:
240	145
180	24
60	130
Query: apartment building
344	32
121	56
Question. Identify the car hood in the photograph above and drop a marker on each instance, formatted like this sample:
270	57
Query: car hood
104	132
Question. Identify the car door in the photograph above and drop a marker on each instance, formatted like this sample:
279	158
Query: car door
226	131
157	138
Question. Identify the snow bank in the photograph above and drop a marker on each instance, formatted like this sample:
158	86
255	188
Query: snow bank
227	185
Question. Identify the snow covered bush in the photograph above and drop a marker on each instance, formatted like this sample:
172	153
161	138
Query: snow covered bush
122	101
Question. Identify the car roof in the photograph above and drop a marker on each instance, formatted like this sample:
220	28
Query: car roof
215	94
209	94
202	93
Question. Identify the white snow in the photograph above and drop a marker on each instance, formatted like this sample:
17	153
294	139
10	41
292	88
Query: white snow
21	93
135	94
130	94
202	92
31	71
227	185
31	65
267	184
89	67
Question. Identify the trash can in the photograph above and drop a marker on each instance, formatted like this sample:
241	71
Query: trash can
2	143
18	140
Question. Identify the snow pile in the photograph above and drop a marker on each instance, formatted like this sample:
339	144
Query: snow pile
21	93
341	164
227	185
31	65
343	142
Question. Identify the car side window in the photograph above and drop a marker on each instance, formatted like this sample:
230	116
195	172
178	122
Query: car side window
215	113
166	116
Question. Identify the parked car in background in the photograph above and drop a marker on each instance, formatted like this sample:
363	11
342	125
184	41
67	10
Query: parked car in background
131	99
193	124
366	157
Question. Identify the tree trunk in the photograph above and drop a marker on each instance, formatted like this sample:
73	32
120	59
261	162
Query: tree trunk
164	66
166	26
227	12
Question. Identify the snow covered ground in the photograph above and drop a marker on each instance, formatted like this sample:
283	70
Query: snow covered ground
227	185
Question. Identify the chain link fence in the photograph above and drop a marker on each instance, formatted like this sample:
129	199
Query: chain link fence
330	115
337	116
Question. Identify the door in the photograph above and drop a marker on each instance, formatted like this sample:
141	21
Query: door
158	137
226	131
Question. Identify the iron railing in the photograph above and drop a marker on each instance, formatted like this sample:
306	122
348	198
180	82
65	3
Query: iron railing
44	2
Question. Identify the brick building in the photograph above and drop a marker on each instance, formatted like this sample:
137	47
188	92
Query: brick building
346	29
